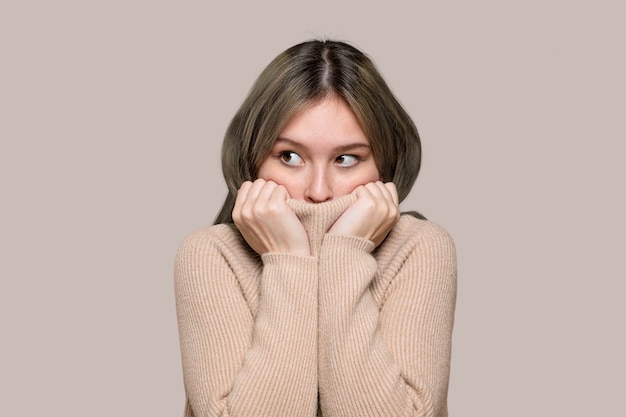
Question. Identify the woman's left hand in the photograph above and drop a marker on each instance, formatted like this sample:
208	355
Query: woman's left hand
373	214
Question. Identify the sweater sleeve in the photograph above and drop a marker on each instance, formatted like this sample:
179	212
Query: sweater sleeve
389	358
235	363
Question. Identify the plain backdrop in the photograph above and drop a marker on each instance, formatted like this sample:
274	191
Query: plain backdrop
111	120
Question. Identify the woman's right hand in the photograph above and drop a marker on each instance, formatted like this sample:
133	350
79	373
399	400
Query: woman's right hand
266	221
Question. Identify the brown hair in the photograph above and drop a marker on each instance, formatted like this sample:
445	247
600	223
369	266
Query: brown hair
301	75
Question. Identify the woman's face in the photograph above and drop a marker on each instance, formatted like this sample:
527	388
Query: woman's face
321	154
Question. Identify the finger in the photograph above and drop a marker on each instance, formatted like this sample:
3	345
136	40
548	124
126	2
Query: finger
387	203
264	197
252	197
245	200
381	191
394	192
280	193
362	191
242	192
277	201
242	195
356	191
282	190
377	192
374	202
391	197
255	189
387	190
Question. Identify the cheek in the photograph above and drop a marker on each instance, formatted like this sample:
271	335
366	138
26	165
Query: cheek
369	174
295	190
269	171
280	176
366	176
293	186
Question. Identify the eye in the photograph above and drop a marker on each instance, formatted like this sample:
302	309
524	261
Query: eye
346	160
291	158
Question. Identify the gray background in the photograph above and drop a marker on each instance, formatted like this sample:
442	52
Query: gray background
111	118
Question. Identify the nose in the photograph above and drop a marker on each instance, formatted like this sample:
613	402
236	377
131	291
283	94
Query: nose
319	188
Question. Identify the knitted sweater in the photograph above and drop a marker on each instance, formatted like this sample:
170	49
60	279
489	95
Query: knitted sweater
352	330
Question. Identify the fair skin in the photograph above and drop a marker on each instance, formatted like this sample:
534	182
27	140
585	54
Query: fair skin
321	154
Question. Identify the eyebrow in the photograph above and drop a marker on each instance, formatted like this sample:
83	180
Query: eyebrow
343	148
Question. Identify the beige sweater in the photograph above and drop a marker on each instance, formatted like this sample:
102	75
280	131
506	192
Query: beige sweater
349	331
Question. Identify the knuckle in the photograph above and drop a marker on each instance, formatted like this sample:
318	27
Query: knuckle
370	205
247	214
257	211
274	208
281	189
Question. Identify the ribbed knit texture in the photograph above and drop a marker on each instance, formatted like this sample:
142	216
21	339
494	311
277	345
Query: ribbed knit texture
366	329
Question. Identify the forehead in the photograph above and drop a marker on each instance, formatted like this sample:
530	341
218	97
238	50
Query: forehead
327	120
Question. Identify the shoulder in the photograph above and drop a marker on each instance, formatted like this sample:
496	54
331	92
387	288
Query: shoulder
411	233
419	250
221	240
416	241
216	260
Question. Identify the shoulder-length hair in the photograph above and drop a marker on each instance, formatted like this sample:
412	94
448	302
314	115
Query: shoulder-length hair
301	75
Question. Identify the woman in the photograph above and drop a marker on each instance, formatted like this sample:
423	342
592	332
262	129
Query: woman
312	295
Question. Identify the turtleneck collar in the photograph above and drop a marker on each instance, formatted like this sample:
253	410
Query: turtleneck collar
318	217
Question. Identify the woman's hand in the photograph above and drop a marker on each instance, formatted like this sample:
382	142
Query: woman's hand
373	214
265	220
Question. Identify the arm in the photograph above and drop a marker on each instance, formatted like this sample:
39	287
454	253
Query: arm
390	359
236	363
